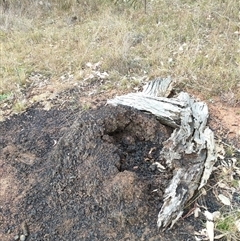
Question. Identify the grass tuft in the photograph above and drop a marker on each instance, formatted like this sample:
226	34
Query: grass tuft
227	225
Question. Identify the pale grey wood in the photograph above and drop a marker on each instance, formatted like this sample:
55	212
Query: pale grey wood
211	157
186	153
158	88
167	110
190	150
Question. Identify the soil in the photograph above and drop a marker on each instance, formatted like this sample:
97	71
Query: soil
225	122
69	174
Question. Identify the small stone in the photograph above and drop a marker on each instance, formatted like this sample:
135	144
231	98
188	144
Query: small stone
24	229
16	237
22	237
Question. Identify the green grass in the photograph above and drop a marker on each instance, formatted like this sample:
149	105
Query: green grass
4	96
227	225
228	175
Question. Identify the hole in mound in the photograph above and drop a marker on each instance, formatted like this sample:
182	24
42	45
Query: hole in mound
135	154
138	138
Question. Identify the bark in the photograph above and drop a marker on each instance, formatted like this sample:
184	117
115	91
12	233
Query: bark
189	152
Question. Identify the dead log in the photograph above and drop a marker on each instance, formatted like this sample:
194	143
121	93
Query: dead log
189	152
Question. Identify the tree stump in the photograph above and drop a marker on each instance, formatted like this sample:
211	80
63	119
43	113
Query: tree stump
189	152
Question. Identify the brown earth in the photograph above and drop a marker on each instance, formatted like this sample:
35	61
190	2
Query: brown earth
68	174
225	122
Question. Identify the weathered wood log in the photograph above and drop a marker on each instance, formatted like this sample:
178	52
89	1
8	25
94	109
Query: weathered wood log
189	152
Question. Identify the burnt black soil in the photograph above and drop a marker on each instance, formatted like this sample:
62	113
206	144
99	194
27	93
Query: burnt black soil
84	176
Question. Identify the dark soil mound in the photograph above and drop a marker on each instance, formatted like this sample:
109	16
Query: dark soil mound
83	176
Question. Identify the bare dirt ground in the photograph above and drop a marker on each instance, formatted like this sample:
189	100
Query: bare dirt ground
69	174
225	122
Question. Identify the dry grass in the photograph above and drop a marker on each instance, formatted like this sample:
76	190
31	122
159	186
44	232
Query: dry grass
227	177
195	42
226	225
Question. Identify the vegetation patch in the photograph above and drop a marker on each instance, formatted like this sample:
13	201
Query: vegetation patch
197	43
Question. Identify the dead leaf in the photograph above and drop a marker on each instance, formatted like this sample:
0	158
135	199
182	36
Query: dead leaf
209	225
196	212
203	191
225	200
197	239
220	236
237	223
159	166
208	215
210	230
223	185
200	238
216	215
